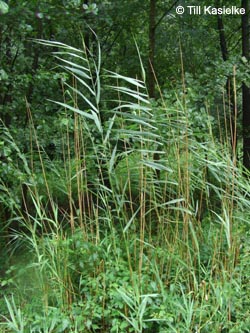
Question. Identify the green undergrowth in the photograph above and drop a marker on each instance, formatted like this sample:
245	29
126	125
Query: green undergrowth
74	285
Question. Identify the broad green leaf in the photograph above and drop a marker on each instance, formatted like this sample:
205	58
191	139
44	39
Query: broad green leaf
131	106
157	166
97	121
142	308
4	8
82	113
112	159
84	84
57	44
73	64
70	54
139	133
135	82
84	98
141	63
135	94
3	75
131	219
108	132
77	72
39	15
141	122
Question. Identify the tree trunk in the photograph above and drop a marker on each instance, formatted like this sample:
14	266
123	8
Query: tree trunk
245	88
230	82
223	41
152	26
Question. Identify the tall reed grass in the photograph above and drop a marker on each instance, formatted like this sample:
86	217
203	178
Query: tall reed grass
140	225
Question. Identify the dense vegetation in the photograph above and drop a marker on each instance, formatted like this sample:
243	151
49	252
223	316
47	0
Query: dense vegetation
124	175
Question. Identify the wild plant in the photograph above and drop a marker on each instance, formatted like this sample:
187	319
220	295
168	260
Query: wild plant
142	228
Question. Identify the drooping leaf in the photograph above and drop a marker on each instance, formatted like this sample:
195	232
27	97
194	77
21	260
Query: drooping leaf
133	81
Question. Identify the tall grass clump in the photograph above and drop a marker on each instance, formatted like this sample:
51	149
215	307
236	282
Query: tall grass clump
139	226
